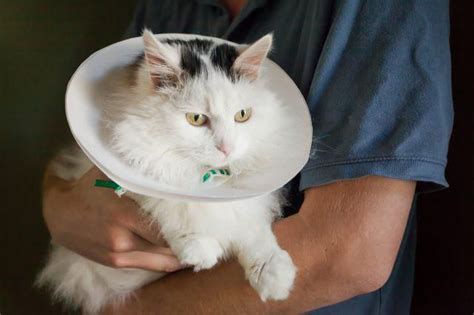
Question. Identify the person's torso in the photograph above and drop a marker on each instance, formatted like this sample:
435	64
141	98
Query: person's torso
300	29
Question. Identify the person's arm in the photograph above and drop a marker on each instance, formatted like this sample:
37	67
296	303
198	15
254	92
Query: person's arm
97	224
344	241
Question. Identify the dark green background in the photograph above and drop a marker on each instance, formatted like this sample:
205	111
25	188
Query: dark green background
41	44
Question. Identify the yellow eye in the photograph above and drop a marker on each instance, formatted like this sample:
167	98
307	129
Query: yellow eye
196	119
243	115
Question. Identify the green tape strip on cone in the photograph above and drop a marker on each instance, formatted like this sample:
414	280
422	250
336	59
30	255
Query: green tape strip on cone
214	172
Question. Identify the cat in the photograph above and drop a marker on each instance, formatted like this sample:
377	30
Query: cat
183	107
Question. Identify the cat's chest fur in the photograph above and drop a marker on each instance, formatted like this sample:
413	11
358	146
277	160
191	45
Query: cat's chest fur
225	221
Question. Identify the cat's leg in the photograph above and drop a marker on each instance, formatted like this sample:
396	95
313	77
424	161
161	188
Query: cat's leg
268	268
82	283
197	250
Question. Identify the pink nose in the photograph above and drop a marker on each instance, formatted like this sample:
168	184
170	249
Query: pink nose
224	148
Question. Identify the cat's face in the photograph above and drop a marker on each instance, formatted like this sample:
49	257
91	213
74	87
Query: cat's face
205	105
218	122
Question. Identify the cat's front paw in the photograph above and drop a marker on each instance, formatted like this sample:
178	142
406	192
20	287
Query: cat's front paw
201	253
273	278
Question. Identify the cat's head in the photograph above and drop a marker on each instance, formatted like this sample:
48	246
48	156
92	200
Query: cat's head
196	105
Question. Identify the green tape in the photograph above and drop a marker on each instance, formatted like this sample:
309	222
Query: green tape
206	177
214	173
107	184
110	184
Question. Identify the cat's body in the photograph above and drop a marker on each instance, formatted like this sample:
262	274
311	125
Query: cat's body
157	139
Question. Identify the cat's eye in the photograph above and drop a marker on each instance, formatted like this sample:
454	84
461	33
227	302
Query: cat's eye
243	115
196	119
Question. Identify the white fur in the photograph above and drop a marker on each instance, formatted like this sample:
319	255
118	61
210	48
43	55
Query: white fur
146	126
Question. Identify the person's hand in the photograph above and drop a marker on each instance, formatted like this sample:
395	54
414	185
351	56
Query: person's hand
95	223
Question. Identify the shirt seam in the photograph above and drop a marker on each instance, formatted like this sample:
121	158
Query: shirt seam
375	159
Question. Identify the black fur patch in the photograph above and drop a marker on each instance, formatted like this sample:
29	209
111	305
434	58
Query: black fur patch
191	63
223	57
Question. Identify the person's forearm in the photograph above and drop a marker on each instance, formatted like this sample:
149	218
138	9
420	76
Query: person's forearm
344	242
224	289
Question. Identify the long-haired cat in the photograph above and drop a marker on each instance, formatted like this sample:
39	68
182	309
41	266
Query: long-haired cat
186	106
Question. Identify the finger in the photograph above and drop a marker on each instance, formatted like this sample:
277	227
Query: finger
147	261
123	240
156	249
139	244
147	232
94	252
161	250
104	256
142	245
120	240
144	228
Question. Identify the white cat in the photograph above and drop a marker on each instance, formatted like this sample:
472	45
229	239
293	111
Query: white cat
182	108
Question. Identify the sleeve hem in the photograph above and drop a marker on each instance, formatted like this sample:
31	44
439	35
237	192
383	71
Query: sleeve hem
427	172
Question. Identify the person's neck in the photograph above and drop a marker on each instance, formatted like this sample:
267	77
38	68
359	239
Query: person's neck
233	6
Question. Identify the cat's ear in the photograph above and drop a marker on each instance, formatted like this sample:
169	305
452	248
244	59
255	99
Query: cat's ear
250	60
162	62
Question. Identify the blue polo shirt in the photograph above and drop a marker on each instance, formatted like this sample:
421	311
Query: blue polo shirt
376	77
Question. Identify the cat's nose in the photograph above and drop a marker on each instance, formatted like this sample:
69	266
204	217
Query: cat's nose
224	148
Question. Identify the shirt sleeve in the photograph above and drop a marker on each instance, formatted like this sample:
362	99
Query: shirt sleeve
380	98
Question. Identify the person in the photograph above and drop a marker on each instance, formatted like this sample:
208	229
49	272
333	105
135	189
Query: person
376	77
